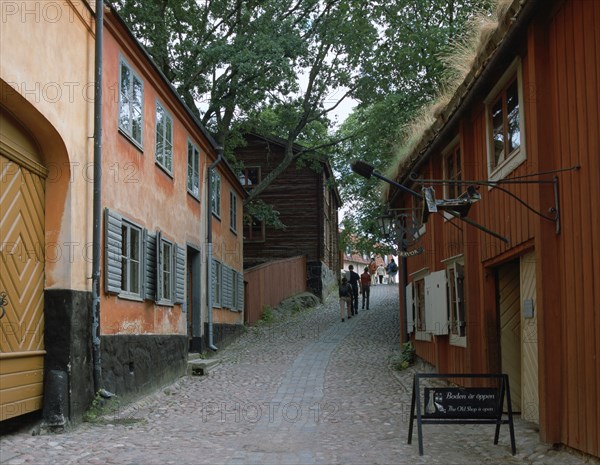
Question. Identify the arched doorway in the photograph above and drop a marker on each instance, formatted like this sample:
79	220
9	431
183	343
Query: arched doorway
22	251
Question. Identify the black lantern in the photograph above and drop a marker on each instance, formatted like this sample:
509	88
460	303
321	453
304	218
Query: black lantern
387	225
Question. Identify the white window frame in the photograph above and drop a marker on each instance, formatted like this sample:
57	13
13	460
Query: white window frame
166	272
163	153
455	268
127	261
127	129
193	169
519	155
233	212
420	334
215	195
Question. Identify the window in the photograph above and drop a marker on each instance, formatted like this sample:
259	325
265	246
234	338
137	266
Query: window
164	138
456	305
215	195
452	172
166	271
505	124
233	211
250	177
193	173
255	230
131	253
234	290
131	103
419	304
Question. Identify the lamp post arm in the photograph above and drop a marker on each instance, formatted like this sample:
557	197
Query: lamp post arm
398	185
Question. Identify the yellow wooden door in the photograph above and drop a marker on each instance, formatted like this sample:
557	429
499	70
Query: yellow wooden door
510	328
22	280
530	408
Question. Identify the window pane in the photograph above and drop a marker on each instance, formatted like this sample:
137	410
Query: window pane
498	138
135	244
134	279
512	105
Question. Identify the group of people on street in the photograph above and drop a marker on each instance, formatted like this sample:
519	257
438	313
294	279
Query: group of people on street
353	282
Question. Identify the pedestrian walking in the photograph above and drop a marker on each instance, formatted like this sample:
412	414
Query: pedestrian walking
365	287
373	271
392	270
380	273
354	279
345	299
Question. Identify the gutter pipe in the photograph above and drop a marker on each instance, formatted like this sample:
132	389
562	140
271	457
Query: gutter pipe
97	205
209	172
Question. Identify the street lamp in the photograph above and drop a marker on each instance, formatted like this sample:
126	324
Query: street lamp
386	223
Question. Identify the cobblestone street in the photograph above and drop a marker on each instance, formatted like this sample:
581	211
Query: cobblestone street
306	390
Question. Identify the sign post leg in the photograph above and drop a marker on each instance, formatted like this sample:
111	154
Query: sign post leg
412	415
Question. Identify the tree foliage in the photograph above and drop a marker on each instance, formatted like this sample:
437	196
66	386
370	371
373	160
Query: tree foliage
282	67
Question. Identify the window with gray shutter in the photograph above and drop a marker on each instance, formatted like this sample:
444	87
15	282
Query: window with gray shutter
240	292
227	287
112	249
150	266
217	281
179	274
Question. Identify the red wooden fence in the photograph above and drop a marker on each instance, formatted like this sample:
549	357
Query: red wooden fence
270	283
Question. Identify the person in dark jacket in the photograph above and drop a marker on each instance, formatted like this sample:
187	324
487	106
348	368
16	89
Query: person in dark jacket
354	279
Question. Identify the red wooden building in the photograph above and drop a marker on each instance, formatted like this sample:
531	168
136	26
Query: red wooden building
527	111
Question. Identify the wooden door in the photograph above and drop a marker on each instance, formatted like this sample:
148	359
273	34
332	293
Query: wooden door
509	307
530	408
22	280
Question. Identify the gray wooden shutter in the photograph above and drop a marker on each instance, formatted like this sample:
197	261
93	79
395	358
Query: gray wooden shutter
240	293
150	266
159	275
214	281
113	243
228	287
179	272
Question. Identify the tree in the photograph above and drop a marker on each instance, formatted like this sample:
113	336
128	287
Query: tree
405	73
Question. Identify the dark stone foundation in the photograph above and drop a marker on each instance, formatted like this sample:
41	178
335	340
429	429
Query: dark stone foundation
134	365
67	339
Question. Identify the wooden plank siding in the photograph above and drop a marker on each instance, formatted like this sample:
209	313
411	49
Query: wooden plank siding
296	194
270	283
574	52
559	54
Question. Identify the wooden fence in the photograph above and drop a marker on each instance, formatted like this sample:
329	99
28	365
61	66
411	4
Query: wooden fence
270	283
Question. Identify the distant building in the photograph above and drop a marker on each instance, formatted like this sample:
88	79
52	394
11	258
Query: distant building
307	201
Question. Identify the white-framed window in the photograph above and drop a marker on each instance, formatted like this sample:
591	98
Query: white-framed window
193	170
166	263
131	259
233	211
455	278
164	138
131	103
505	124
215	195
419	311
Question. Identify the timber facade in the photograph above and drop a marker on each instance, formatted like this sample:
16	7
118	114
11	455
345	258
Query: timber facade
528	111
307	201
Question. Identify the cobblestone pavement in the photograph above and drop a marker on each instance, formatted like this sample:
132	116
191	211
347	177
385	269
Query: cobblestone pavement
308	389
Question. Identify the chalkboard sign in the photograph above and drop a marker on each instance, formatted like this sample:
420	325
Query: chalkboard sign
457	405
461	403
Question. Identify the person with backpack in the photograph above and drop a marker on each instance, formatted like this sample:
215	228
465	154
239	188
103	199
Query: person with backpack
354	279
345	299
392	270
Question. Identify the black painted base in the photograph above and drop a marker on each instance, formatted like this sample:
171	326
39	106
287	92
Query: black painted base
133	365
67	340
223	334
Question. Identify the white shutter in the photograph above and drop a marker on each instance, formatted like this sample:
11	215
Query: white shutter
436	303
409	306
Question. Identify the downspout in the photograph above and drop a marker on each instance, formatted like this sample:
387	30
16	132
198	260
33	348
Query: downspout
97	205
211	344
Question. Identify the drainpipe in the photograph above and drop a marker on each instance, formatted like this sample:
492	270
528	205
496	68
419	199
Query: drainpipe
211	344
97	205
